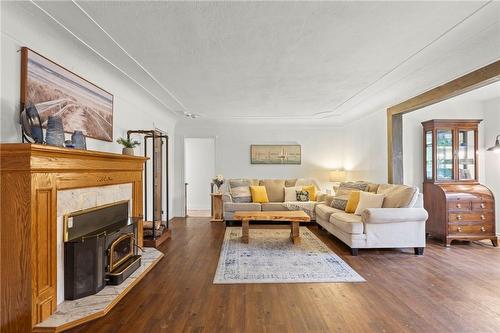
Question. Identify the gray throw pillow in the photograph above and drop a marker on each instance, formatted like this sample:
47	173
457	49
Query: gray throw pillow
339	203
240	190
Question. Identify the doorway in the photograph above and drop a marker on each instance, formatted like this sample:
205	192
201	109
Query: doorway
199	169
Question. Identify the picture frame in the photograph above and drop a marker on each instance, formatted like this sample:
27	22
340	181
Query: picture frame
55	90
288	154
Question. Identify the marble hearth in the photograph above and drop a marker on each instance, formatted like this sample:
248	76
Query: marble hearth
70	312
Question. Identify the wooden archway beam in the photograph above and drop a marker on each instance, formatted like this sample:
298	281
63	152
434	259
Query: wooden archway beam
473	80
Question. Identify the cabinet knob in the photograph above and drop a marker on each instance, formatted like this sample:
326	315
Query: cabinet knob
482	205
483	229
459	217
459	205
483	217
459	229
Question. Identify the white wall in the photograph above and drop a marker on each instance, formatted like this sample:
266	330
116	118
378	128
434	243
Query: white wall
455	108
365	148
133	107
199	167
322	150
492	170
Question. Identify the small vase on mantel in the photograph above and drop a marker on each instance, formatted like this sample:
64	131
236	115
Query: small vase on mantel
55	131
128	151
78	140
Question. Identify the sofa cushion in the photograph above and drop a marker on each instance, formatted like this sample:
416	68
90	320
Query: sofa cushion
342	194
346	222
347	187
237	206
290	182
372	187
240	190
275	189
369	200
352	202
311	189
302	196
259	194
324	211
398	196
273	206
291	194
339	202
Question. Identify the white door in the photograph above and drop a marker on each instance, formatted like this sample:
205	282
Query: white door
199	169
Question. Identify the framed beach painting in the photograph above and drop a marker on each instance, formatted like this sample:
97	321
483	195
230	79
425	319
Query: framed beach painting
56	91
275	154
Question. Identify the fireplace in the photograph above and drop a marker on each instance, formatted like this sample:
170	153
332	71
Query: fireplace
100	247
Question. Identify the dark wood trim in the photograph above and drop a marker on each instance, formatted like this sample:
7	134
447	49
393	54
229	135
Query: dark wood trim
473	80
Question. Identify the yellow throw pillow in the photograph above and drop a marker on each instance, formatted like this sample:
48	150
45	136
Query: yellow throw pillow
352	202
311	189
259	194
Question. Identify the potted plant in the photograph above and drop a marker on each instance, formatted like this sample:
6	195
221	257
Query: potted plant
128	146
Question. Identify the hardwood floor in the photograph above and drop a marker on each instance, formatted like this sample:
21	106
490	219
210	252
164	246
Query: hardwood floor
453	289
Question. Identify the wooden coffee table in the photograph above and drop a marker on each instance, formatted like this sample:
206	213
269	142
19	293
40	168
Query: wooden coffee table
292	216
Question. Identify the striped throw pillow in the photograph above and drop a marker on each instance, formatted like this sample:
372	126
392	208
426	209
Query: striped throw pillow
240	190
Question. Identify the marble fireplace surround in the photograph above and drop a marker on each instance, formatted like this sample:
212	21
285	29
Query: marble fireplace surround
72	200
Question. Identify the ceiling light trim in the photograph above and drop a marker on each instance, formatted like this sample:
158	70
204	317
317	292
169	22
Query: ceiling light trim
104	58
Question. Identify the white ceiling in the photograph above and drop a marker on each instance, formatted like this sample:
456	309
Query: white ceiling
482	94
320	61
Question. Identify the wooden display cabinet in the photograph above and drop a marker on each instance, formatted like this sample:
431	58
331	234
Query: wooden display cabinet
459	207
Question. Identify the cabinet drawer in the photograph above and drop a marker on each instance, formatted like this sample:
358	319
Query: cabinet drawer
483	205
459	205
470	216
479	229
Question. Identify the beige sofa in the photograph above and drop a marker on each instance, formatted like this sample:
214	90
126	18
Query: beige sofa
400	223
275	191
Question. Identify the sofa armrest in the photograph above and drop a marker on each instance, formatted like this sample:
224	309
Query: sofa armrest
320	196
394	215
226	197
327	199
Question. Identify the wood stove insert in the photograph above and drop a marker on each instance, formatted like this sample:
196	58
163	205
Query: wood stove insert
100	248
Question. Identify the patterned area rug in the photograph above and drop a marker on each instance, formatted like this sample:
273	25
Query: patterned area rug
270	257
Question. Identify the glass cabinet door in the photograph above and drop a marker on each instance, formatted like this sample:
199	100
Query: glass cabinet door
466	155
444	154
428	155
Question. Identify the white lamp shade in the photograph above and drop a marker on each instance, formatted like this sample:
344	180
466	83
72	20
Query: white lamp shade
337	175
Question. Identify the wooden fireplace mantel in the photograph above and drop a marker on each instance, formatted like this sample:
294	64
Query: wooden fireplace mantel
30	177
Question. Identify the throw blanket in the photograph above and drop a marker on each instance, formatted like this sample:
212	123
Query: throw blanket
306	206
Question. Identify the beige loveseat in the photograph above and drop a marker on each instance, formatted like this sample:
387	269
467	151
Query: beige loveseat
400	223
275	189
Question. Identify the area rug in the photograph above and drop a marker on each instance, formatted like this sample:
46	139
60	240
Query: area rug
270	257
